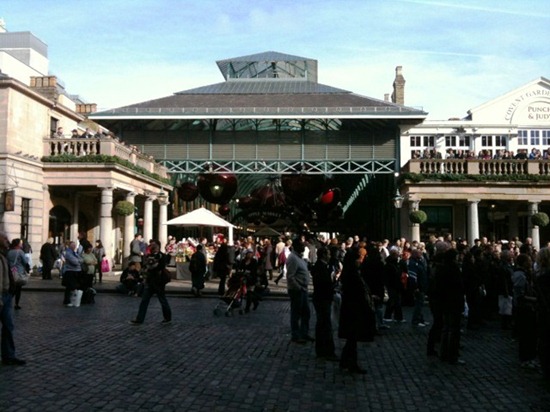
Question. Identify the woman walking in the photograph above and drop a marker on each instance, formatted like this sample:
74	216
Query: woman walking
99	252
17	261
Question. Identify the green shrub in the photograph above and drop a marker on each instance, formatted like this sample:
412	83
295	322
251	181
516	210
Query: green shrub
124	208
540	219
418	216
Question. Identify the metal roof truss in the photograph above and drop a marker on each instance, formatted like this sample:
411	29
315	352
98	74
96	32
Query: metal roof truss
270	167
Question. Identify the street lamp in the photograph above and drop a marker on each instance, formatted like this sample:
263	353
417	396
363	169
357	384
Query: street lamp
162	196
398	203
398	199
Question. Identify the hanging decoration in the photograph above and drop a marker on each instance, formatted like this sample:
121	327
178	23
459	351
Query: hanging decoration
218	188
188	191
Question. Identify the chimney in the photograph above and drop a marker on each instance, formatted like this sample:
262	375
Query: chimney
86	108
46	86
398	95
2	26
386	97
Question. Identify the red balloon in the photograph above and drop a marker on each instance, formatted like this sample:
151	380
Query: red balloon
188	192
217	188
330	197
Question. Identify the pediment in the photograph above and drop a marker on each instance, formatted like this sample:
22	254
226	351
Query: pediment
528	105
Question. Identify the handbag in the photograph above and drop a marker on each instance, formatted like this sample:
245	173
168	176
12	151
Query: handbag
105	267
165	276
505	305
19	279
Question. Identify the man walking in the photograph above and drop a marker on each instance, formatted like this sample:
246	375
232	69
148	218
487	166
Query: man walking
297	277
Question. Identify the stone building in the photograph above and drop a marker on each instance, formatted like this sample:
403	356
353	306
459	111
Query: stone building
483	175
53	185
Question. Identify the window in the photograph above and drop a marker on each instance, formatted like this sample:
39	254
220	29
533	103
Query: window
535	137
54	123
522	138
546	137
486	140
464	141
500	141
429	141
416	141
25	215
450	141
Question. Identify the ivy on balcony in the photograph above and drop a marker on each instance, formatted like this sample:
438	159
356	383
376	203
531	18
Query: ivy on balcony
448	177
68	158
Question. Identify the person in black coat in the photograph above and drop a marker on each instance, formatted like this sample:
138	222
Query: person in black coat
450	295
197	267
372	270
248	270
392	274
222	266
357	322
48	256
323	294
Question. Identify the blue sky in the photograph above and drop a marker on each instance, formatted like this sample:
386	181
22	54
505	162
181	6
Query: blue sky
455	56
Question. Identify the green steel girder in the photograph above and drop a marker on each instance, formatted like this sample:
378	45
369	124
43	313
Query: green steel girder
271	167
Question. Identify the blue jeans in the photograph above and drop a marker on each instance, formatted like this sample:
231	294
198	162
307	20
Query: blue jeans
299	314
148	292
6	317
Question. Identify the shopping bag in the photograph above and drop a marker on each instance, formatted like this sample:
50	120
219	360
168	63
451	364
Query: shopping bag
76	297
505	305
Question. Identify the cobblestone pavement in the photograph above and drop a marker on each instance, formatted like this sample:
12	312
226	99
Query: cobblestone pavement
90	358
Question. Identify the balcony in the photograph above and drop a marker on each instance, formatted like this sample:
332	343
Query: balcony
480	167
62	147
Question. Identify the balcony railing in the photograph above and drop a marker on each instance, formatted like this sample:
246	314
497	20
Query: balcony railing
103	146
478	167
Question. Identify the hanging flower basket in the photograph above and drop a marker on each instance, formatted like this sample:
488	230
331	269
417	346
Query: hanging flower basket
540	219
124	208
418	216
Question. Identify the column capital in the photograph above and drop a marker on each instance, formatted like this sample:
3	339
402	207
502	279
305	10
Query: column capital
474	200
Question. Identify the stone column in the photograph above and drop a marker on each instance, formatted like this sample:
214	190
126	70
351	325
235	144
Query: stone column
534	208
415	227
74	222
148	219
163	218
106	221
473	221
129	229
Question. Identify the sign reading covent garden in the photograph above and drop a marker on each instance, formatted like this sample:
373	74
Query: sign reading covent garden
530	107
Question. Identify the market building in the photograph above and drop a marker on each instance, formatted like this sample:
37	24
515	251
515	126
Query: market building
270	120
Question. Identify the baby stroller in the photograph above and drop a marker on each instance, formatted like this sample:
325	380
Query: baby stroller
233	298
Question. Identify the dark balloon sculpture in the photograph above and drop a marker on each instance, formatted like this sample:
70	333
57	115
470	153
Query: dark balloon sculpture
217	188
302	188
188	192
224	210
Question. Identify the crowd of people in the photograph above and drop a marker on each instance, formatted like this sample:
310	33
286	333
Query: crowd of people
484	154
360	288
